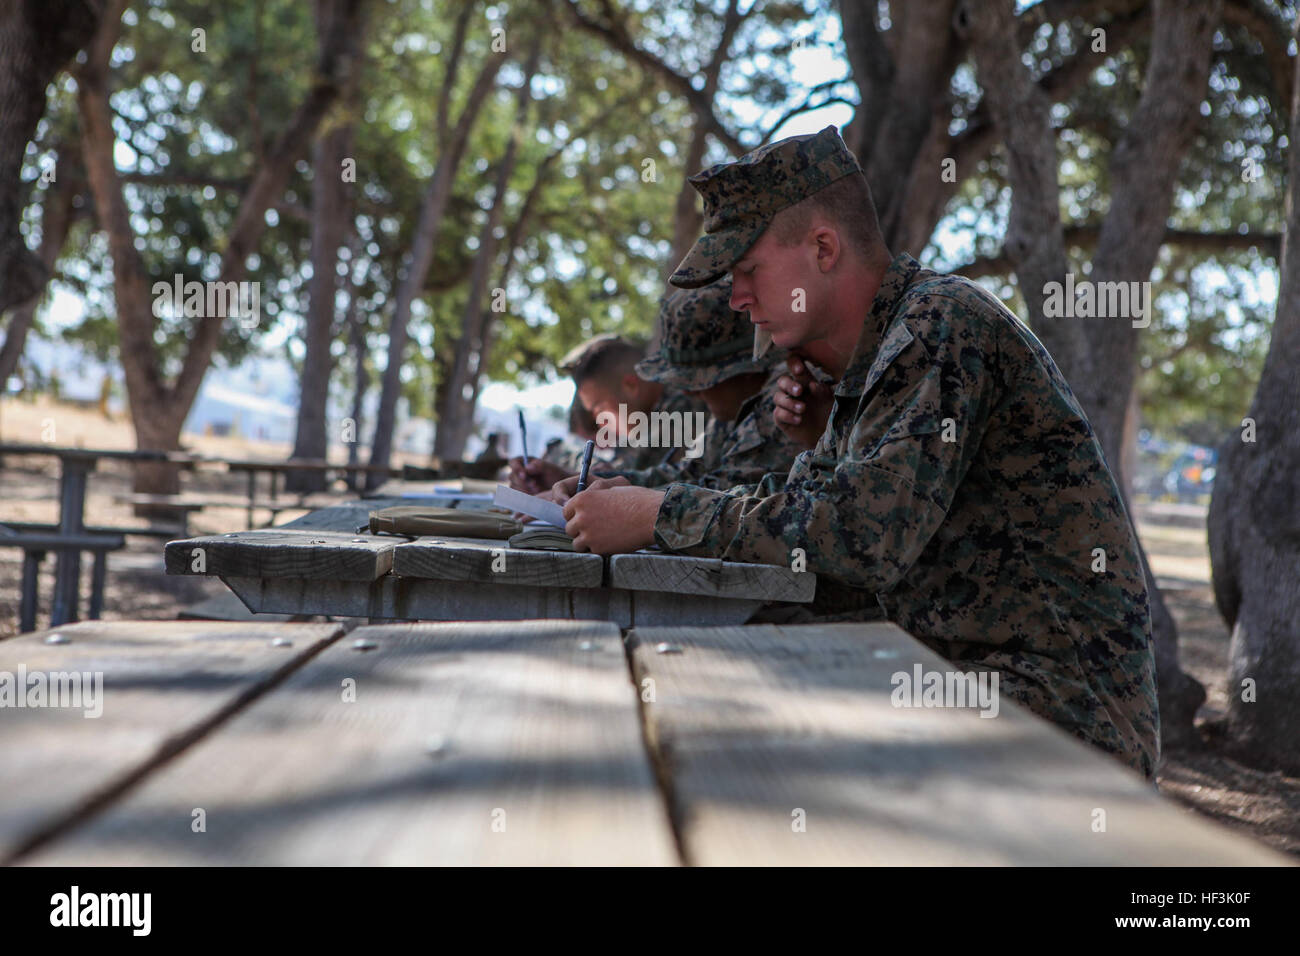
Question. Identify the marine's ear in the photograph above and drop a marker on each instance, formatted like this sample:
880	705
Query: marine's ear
829	247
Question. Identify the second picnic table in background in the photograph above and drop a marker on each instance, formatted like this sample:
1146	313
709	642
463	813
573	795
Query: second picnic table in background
276	469
75	466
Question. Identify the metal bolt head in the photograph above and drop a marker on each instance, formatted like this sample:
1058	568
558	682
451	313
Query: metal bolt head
436	745
665	648
232	534
588	646
58	639
882	653
363	644
281	642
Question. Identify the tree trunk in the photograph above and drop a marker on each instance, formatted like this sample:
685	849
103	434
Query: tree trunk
1143	170
57	216
158	409
1021	112
688	220
456	413
37	37
331	208
926	56
903	170
1255	525
157	425
357	342
426	237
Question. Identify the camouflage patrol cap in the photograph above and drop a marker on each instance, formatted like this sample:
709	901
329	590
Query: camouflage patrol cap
702	340
741	198
584	352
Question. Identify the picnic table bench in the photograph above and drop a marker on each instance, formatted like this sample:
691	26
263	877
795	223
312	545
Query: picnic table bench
75	465
321	564
549	742
184	504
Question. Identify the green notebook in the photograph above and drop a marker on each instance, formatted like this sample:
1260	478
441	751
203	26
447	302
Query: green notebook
542	537
415	520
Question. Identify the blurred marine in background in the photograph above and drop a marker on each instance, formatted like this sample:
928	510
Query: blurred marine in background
706	349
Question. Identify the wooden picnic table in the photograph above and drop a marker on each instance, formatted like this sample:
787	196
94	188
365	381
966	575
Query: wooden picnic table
320	564
75	464
550	742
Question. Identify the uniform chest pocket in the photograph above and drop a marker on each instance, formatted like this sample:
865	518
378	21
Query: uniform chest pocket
905	406
894	401
917	411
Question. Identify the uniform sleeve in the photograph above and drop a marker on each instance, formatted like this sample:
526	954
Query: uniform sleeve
865	502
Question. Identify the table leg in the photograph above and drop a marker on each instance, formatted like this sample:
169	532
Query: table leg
271	520
27	610
97	584
72	505
252	494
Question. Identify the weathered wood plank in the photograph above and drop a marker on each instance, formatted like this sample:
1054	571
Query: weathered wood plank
272	553
761	726
162	684
225	606
417	599
654	609
682	574
495	562
454	727
405	599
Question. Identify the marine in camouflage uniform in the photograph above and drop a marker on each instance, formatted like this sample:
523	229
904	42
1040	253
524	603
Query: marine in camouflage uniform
567	452
626	458
703	342
958	485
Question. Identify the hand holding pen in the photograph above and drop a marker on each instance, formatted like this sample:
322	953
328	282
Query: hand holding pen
586	464
523	434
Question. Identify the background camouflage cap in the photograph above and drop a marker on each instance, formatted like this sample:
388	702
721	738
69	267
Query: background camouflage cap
741	198
585	352
702	341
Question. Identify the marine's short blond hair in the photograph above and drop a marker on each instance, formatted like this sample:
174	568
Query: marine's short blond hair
846	202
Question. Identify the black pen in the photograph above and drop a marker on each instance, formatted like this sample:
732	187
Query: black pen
586	464
523	434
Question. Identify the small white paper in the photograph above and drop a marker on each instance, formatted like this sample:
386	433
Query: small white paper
531	505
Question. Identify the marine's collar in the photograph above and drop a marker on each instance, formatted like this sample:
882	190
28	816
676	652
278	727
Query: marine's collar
900	274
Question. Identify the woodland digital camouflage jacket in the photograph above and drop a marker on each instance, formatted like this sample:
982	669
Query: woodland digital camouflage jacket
738	452
959	486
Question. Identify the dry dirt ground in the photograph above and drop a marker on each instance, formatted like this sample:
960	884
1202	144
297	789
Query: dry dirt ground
1265	806
1262	804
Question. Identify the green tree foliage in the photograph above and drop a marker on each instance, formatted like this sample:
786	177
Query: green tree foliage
1213	299
600	170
